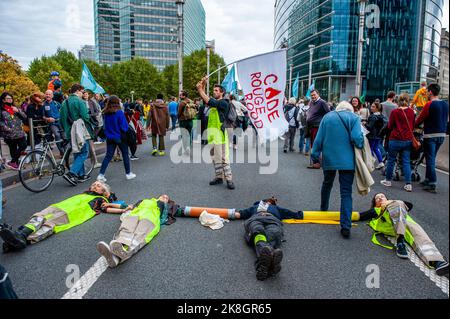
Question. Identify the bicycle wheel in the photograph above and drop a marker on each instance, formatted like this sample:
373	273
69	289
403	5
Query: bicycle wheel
36	171
88	164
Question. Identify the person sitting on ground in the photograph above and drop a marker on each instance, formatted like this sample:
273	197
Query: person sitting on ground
138	228
264	232
62	216
391	218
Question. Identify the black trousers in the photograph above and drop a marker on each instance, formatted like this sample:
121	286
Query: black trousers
6	288
269	226
16	147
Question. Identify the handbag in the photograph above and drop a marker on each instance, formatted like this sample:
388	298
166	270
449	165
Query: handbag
415	143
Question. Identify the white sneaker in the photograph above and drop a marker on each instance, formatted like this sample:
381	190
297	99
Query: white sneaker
101	178
408	188
386	183
380	166
131	176
98	143
104	250
97	165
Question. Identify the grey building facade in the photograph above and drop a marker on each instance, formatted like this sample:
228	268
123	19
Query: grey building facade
444	64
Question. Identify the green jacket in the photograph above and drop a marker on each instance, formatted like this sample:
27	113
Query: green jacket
78	110
148	209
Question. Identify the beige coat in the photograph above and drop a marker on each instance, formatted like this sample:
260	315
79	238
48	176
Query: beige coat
365	165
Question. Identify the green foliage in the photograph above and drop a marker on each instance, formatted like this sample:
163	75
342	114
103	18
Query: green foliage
40	69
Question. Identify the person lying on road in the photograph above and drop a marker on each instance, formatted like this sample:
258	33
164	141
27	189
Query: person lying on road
391	218
264	232
62	216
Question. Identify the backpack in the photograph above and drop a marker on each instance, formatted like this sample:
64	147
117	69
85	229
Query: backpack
230	116
190	111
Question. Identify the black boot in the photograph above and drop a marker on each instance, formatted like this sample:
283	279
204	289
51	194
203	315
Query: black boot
264	257
16	240
276	261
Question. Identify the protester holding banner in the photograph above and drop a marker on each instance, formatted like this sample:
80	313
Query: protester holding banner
217	135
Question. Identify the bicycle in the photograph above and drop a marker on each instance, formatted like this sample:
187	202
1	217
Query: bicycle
38	168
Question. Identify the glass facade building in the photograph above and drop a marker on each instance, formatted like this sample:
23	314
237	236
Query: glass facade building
146	29
404	48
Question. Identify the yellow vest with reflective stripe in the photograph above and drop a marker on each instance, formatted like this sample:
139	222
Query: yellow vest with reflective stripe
148	209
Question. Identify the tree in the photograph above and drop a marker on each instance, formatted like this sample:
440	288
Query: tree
40	69
69	63
14	80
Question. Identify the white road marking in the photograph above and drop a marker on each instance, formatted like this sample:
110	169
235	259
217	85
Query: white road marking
83	285
440	281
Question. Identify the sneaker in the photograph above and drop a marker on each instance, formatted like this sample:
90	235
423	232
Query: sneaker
386	183
314	166
345	233
161	153
101	178
105	251
430	189
84	178
424	183
230	185
401	250
264	262
131	176
441	268
408	187
13	239
285	151
13	166
117	159
134	158
97	165
98	143
155	152
380	166
71	178
118	249
216	181
276	261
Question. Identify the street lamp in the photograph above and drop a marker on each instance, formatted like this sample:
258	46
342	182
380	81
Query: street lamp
361	41
311	53
180	15
209	45
132	96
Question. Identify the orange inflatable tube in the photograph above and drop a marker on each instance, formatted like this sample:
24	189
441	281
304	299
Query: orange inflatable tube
222	212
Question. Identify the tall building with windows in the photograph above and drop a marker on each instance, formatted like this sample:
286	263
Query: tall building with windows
87	53
125	29
404	47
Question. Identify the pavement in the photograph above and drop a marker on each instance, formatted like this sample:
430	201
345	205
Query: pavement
189	261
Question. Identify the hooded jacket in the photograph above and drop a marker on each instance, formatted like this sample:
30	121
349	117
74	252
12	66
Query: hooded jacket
159	118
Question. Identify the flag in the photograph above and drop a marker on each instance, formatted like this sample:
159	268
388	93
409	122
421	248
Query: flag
295	87
310	89
229	83
88	81
263	81
363	99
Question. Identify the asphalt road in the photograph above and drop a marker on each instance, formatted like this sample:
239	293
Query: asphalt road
187	260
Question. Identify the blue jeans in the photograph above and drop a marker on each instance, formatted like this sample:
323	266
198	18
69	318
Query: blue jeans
431	147
110	150
77	167
346	185
303	141
375	148
174	121
395	147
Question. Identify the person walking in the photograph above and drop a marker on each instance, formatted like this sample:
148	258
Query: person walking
173	111
186	113
134	137
339	132
11	119
116	127
75	119
434	116
217	135
290	113
159	122
400	125
240	118
375	125
95	115
317	110
203	113
304	143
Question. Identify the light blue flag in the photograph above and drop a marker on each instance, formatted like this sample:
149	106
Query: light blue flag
311	88
88	81
230	83
295	87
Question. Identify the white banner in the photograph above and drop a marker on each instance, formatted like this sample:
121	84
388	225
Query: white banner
263	80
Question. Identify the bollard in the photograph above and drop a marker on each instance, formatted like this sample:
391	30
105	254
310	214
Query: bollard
30	124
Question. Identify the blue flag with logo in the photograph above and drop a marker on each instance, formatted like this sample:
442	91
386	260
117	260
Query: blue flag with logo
88	81
230	83
310	89
295	87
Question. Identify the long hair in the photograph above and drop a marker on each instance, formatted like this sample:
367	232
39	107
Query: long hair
112	105
358	107
403	100
3	96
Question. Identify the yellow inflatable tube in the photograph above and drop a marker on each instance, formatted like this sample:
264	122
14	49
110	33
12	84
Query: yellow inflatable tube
336	216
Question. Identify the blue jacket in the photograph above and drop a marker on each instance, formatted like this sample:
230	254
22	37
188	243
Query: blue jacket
173	108
114	124
52	110
333	141
277	211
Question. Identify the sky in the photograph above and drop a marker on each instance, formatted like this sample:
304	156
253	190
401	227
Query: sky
32	28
